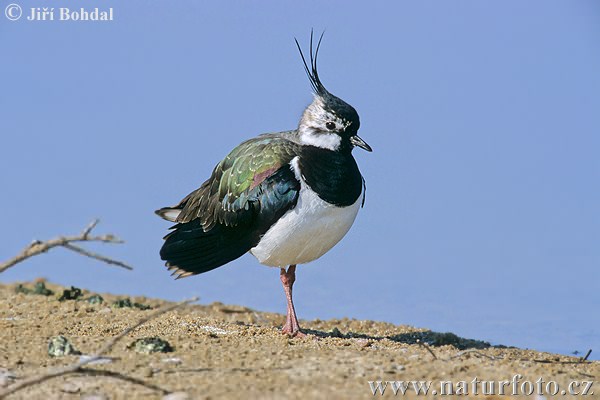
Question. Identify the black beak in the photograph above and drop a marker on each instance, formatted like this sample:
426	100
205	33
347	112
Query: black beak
357	141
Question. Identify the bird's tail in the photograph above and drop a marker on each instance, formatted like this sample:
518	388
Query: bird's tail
189	250
169	213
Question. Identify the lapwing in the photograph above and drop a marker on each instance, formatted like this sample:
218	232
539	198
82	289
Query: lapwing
286	197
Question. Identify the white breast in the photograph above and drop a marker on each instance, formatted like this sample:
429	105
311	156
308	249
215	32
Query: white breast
307	231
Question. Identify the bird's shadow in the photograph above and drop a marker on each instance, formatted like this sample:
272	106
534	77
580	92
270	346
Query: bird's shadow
430	338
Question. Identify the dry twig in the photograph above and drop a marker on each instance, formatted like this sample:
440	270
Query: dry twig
557	361
38	247
422	344
582	359
78	367
473	351
123	377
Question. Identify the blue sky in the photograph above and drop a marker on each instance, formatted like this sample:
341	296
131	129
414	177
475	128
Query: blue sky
483	205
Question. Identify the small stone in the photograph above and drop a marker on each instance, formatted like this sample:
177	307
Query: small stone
22	289
95	299
151	345
122	303
147	372
141	306
70	387
97	396
176	396
127	303
60	346
70	294
172	360
6	377
39	288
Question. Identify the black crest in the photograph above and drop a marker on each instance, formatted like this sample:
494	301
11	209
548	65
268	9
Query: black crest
313	74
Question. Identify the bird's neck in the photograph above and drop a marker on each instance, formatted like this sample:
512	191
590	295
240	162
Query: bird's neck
309	136
333	175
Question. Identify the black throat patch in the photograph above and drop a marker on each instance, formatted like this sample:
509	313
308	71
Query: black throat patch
333	175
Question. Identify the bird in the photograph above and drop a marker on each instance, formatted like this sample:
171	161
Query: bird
287	198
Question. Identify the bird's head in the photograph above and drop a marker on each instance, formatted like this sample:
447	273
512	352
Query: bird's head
328	122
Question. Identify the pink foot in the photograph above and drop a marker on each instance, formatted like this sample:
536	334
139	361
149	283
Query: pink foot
293	333
291	326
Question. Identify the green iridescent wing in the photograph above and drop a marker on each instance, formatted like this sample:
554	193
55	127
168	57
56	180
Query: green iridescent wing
247	193
226	197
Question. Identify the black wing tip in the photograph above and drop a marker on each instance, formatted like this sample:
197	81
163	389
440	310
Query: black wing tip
189	250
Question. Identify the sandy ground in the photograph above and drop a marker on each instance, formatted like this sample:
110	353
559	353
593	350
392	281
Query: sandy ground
231	352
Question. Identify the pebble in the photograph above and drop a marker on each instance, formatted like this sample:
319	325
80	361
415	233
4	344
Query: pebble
60	346
176	396
149	345
172	360
95	397
101	360
6	377
70	387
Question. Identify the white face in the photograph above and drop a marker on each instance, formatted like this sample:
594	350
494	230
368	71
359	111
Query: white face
320	128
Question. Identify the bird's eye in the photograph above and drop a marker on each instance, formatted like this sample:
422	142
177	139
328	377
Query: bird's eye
330	125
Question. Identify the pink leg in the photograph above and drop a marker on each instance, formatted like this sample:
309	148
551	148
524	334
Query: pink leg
291	326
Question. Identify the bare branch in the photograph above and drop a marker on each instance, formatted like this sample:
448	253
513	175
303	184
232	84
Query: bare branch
473	351
97	256
38	247
558	361
78	366
586	356
427	348
89	228
123	377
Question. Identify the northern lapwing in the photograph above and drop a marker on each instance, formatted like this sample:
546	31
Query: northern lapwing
285	197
